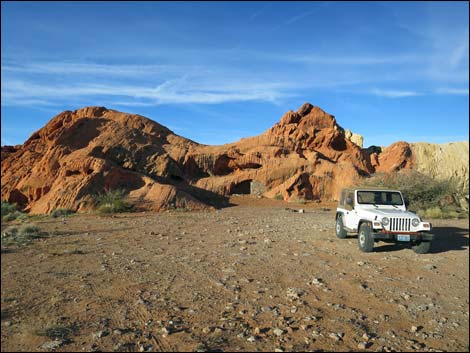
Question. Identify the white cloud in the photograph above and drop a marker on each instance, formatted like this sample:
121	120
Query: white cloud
394	93
177	91
70	68
453	91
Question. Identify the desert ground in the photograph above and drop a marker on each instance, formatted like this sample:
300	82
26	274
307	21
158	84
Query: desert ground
257	276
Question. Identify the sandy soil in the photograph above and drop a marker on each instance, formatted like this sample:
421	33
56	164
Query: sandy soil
252	277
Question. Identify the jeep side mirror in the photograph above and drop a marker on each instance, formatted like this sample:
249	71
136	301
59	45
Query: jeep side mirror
407	202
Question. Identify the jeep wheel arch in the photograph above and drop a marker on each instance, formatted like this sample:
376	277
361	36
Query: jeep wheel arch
339	214
362	221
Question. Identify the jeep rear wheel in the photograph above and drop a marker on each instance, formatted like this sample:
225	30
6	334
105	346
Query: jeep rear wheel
365	238
422	247
340	232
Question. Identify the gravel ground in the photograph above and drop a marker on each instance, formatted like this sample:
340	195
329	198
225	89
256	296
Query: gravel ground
258	276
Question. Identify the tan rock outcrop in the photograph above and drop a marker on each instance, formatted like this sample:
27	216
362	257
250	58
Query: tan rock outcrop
448	161
354	138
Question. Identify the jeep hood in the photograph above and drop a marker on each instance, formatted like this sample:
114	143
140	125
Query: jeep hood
380	212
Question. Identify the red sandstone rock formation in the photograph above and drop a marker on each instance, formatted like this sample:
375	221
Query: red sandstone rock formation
77	154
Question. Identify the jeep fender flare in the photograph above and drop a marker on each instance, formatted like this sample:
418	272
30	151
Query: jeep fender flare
361	221
339	213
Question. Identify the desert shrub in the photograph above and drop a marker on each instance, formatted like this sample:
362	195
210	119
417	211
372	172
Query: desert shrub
10	213
12	216
445	213
61	212
278	197
7	208
429	197
111	201
181	209
21	234
58	332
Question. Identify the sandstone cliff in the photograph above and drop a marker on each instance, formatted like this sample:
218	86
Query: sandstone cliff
306	155
447	161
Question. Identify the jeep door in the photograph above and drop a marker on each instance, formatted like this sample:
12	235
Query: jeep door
351	217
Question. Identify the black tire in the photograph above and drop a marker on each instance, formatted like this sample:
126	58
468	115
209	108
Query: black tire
340	231
422	247
365	238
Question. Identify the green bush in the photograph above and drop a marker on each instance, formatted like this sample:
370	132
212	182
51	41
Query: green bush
60	212
428	197
21	235
112	201
58	332
278	197
7	208
10	213
437	212
12	216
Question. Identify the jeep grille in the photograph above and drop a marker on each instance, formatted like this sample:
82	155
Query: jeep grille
400	224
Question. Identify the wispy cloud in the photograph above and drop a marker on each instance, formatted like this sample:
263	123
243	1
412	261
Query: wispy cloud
459	53
394	93
176	91
259	12
300	16
70	68
453	91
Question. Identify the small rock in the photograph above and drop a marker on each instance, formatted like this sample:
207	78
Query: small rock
295	293
335	336
117	332
430	267
362	345
100	334
317	281
52	345
207	330
166	331
146	347
278	332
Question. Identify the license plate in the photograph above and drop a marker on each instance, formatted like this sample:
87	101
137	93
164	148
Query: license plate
403	237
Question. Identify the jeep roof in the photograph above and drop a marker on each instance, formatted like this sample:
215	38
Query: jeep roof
366	188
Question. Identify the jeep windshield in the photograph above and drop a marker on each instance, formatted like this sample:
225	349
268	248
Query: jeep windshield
370	197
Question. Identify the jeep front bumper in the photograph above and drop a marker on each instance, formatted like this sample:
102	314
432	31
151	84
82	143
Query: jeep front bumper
413	237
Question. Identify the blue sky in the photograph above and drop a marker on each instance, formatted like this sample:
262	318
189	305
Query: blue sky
218	71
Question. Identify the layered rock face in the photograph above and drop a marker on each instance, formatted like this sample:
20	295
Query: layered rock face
82	153
448	161
306	155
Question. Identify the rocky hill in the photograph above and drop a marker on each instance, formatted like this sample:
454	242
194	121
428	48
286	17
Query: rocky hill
448	161
306	155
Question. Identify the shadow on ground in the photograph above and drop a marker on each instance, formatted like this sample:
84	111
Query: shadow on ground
445	239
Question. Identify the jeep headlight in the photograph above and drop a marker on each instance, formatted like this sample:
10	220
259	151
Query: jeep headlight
385	221
415	222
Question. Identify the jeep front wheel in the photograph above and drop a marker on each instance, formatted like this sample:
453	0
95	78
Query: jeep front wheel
340	232
365	238
422	247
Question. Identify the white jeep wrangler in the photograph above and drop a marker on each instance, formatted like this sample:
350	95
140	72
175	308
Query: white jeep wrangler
380	214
